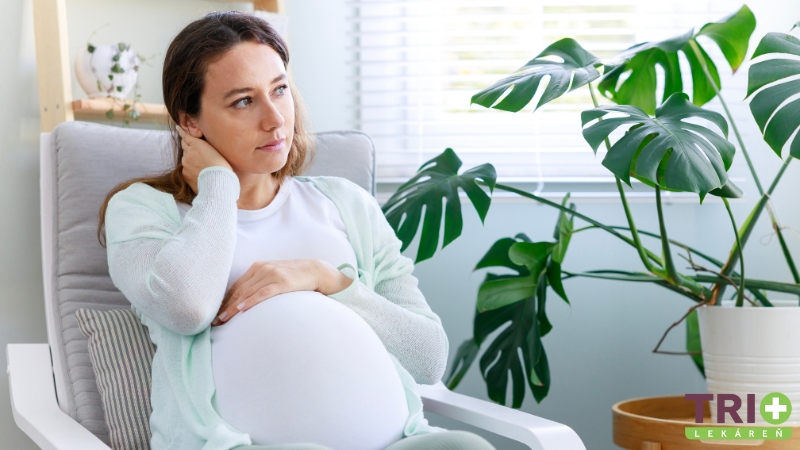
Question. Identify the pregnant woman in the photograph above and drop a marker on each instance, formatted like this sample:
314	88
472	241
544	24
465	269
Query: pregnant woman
283	314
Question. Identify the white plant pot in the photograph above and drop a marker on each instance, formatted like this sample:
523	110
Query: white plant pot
752	351
91	68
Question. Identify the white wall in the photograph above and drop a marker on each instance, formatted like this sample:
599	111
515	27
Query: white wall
600	347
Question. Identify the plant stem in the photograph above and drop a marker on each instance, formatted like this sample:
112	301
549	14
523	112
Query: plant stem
740	288
503	187
770	210
634	233
774	286
636	240
665	250
747	228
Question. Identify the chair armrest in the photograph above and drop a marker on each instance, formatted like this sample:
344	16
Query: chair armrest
535	432
33	401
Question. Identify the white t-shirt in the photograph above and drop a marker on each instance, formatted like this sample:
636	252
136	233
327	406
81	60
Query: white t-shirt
300	366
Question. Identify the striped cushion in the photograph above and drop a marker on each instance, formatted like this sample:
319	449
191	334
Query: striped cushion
122	355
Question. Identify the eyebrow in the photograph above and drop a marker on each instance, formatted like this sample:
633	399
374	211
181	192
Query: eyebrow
247	89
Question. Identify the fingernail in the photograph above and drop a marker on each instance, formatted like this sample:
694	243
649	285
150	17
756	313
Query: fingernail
223	315
240	306
215	321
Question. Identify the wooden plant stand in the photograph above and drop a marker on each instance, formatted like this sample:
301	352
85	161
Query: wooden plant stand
658	423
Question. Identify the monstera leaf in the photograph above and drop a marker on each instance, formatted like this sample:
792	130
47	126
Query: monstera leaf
562	234
577	68
520	255
524	306
435	180
633	81
502	356
776	120
666	150
507	289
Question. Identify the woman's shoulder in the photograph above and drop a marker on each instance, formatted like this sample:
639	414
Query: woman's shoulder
140	197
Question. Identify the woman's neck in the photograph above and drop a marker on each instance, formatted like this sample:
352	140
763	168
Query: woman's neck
256	190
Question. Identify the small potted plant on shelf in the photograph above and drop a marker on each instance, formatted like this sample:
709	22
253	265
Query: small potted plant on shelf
111	71
673	146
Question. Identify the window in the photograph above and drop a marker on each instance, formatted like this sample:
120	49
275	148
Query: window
417	64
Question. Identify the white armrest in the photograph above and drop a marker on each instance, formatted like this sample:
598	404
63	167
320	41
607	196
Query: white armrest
33	401
533	431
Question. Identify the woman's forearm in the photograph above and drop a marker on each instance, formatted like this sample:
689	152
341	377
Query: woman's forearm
396	310
175	273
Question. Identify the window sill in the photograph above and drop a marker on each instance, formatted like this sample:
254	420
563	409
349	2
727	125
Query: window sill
600	190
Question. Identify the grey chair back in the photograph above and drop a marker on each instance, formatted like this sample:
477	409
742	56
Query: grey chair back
80	163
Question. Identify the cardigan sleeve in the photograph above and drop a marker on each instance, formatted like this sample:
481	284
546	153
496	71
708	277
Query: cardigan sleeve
396	309
174	272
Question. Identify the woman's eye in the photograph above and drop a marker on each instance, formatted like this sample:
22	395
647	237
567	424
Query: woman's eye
241	105
280	90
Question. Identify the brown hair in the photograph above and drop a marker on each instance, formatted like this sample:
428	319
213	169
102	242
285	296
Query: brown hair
197	46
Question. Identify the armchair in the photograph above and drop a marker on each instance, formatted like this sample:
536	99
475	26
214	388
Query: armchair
54	394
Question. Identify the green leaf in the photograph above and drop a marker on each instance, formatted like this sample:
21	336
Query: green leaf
499	290
532	255
554	278
693	341
519	298
576	68
437	180
664	150
729	190
497	255
777	121
563	232
466	354
110	114
99	86
115	58
90	48
544	324
632	80
116	68
732	35
119	88
125	107
505	290
502	355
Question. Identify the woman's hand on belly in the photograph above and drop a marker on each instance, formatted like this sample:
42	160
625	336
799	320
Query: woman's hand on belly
266	279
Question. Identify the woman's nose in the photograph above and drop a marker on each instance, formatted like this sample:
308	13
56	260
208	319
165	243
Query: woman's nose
272	117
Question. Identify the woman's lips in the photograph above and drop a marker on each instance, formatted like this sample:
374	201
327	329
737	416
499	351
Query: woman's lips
273	146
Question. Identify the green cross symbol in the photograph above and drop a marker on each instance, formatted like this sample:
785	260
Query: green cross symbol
776	408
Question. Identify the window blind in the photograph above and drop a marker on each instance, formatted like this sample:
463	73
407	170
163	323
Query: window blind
417	64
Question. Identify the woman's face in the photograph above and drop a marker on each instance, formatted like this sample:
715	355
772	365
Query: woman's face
247	111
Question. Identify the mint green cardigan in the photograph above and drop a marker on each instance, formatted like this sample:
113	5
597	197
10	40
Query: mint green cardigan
143	225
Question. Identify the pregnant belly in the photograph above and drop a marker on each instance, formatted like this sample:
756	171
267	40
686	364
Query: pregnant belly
302	367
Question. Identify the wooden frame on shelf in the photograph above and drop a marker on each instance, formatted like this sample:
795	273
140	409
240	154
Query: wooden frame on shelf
54	69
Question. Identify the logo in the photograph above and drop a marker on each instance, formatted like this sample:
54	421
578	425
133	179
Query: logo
775	409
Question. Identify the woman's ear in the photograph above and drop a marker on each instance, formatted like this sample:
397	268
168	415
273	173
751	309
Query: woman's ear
189	124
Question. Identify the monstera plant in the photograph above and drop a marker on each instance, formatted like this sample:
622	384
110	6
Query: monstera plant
673	146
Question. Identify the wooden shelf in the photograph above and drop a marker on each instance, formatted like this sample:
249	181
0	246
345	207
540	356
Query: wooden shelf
94	109
55	71
657	423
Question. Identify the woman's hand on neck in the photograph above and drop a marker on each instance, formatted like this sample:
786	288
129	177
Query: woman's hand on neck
257	190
